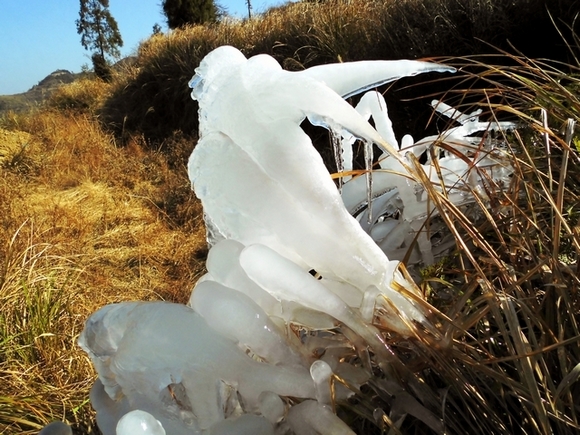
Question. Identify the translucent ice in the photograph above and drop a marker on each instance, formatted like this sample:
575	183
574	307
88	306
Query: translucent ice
260	179
246	424
158	357
394	209
224	267
139	423
234	315
313	418
294	282
271	407
56	428
321	375
285	280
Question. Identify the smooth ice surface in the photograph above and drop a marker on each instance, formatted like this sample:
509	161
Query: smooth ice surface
313	418
351	78
234	315
224	267
271	407
139	423
246	424
321	375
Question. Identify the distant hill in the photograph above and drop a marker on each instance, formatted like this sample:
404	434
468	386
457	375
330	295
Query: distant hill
39	92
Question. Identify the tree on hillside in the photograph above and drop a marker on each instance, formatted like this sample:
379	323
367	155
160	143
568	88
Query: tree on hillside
182	12
249	5
99	33
157	29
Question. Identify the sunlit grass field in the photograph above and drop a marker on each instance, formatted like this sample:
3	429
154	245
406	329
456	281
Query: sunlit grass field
84	223
96	208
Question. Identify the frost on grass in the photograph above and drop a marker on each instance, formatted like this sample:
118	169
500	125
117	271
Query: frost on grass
295	282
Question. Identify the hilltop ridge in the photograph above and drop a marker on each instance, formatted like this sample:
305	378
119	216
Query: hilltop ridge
39	92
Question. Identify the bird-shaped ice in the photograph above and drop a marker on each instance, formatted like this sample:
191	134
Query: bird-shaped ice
285	251
260	179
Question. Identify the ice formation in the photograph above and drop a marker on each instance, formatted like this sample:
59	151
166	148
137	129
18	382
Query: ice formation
294	280
260	179
394	209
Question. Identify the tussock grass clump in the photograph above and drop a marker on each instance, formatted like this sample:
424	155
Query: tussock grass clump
508	356
84	95
153	99
15	152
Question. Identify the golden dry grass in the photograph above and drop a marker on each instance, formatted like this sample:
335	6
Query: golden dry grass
83	223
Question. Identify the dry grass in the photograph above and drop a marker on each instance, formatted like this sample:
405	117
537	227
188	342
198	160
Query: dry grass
81	96
506	358
153	99
83	223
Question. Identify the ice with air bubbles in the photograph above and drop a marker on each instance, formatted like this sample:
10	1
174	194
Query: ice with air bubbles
298	268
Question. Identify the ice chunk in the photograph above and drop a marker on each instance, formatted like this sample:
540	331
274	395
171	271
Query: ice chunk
223	263
367	308
373	105
149	350
321	375
351	78
271	406
234	315
246	424
139	423
109	411
286	280
266	267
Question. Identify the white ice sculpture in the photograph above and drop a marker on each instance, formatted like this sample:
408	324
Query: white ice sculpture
261	181
293	280
164	359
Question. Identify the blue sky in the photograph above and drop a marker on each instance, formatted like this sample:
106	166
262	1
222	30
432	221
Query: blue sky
38	37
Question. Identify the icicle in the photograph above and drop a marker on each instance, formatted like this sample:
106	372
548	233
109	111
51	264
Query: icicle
368	150
337	152
321	374
367	308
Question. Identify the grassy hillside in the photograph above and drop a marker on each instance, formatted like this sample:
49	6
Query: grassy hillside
96	207
153	98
